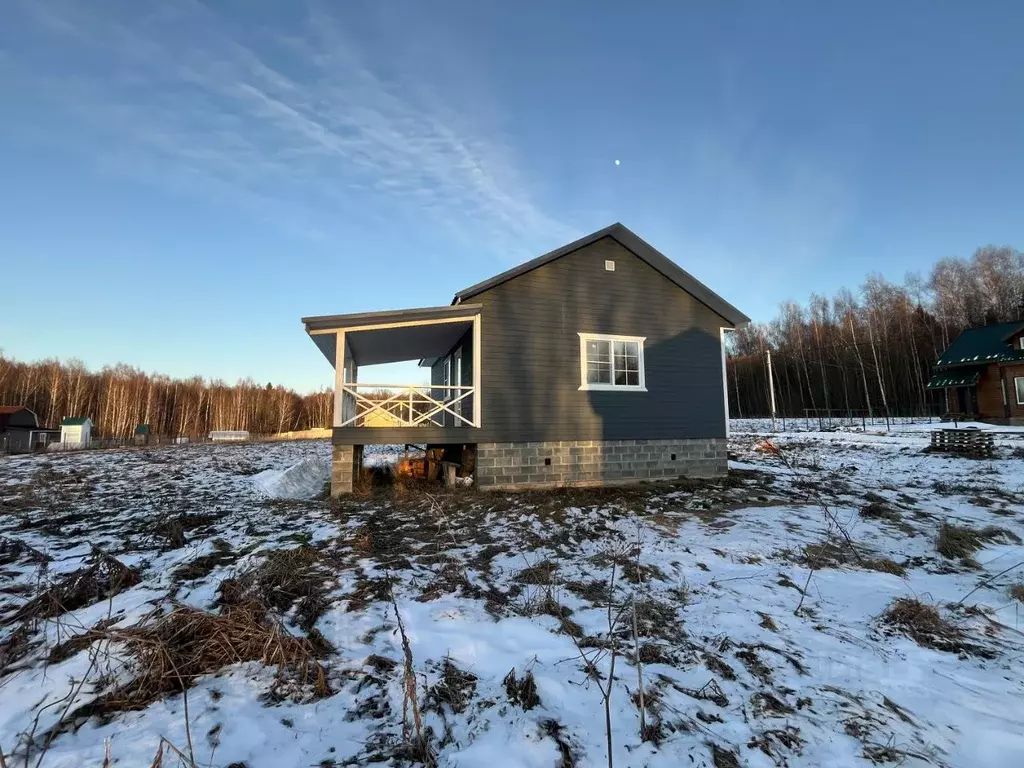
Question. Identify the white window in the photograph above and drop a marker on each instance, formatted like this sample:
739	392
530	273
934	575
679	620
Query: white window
612	362
447	393
1018	382
1021	342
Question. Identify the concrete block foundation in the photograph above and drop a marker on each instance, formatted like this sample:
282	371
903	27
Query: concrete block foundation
597	462
345	463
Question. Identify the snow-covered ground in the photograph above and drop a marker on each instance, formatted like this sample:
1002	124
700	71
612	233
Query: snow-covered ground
742	665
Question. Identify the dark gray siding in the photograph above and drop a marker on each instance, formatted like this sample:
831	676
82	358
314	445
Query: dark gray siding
531	353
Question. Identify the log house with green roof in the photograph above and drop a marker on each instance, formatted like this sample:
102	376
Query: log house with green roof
982	374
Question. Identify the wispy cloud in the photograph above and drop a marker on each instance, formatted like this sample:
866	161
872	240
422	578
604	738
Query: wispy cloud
296	123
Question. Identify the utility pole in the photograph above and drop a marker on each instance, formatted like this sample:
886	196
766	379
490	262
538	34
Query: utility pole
771	385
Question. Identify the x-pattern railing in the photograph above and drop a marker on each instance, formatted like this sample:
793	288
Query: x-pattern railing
408	405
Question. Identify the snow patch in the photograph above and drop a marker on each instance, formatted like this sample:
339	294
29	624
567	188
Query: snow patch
303	480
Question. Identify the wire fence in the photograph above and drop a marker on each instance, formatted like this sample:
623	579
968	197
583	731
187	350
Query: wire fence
828	419
832	418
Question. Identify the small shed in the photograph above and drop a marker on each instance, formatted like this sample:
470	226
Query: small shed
18	428
141	435
76	431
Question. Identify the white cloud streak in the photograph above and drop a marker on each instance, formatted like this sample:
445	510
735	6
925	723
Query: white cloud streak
296	127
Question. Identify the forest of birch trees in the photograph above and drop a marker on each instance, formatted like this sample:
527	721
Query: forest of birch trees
120	397
872	352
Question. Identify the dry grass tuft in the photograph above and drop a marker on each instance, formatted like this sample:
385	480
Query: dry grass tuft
287	577
827	554
1016	592
960	542
885	565
957	542
724	758
925	626
68	648
920	620
173	650
455	689
521	691
879	510
103	578
539	574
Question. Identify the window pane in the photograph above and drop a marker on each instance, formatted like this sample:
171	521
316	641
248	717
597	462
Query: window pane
1019	382
599	373
598	351
627	356
633	378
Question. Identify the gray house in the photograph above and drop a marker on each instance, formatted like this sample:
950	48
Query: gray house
600	362
20	431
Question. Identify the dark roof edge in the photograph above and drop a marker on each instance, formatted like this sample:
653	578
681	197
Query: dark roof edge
643	250
322	322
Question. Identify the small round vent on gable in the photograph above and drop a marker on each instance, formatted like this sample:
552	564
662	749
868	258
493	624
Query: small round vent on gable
609	265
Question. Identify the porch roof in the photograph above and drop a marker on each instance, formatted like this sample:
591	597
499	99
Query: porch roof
393	336
954	379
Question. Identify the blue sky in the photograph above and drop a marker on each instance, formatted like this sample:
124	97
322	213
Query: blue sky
184	180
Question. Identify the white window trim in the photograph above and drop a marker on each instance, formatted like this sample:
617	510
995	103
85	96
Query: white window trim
1017	389
585	385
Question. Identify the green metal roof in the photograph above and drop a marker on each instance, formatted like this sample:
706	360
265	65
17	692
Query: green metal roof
73	421
142	429
960	379
988	344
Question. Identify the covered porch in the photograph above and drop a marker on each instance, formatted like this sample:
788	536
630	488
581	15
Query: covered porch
445	340
960	390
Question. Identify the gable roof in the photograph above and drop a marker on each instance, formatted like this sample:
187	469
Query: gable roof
74	421
979	346
7	411
642	250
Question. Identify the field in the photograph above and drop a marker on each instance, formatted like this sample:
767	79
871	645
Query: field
843	598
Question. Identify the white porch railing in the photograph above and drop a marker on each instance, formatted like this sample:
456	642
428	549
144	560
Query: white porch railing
406	405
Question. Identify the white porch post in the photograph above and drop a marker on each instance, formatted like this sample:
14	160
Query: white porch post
477	364
339	377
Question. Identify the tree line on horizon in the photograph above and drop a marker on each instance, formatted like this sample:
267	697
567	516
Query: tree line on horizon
852	354
872	352
118	398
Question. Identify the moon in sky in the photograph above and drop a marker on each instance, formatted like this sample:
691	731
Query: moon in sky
616	162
